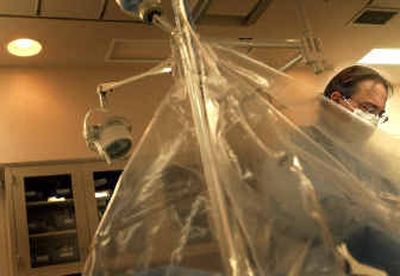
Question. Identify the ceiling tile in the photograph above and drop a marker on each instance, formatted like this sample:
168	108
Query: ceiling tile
88	9
225	7
18	7
386	4
274	57
124	50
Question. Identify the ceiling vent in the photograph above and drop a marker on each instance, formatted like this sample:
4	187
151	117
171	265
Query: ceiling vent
375	16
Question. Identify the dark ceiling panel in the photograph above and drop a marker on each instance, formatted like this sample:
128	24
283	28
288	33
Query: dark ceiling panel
18	7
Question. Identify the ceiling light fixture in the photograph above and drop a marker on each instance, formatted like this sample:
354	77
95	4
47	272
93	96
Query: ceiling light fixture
388	56
24	47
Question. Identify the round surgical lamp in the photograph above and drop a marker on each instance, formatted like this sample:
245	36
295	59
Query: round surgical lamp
144	10
110	137
106	133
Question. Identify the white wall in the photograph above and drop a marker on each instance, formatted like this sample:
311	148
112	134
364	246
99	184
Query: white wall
42	110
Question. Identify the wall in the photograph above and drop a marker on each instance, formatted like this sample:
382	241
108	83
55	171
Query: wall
42	110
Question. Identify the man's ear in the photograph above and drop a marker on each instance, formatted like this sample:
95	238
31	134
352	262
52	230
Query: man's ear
336	96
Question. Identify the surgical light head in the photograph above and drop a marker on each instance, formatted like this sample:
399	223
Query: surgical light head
110	138
107	134
143	10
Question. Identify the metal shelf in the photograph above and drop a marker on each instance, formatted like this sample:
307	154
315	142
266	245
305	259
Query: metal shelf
53	233
48	203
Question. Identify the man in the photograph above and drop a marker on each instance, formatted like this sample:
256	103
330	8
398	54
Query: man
361	90
364	92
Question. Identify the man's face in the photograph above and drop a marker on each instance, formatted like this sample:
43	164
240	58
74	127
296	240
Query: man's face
370	96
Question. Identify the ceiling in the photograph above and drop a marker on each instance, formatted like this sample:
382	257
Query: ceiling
96	33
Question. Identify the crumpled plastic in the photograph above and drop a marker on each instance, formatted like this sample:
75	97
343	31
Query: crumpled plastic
242	172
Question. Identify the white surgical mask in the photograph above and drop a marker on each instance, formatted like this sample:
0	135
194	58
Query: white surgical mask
365	116
368	117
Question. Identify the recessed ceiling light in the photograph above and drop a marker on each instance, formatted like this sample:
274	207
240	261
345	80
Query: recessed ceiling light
24	47
382	56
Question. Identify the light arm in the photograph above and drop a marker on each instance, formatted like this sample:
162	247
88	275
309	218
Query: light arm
104	88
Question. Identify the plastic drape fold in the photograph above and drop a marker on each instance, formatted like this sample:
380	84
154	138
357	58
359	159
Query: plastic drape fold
242	172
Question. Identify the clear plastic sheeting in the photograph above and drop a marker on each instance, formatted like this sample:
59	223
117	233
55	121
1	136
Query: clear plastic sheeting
242	172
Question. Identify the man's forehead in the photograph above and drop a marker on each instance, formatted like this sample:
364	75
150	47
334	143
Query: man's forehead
373	90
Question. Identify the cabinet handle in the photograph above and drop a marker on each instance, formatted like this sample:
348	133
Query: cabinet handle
2	190
18	260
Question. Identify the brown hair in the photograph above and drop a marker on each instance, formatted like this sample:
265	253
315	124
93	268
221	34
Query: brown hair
346	80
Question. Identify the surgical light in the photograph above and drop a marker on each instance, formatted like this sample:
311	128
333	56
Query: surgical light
110	137
24	47
143	10
382	56
106	133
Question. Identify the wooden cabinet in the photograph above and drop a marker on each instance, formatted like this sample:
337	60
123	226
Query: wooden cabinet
100	180
51	212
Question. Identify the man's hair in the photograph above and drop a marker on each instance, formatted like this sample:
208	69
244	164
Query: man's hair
346	80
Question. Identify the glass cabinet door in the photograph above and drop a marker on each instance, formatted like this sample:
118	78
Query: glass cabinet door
104	185
53	237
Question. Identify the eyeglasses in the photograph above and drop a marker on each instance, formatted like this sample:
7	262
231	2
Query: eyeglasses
381	117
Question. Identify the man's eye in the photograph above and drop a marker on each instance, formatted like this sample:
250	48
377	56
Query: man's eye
370	109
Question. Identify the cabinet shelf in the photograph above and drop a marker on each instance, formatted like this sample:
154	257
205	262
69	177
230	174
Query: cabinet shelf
53	214
53	233
49	203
